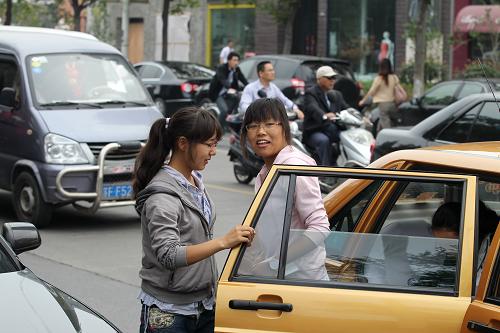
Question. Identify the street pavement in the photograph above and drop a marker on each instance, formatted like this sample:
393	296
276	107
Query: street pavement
96	258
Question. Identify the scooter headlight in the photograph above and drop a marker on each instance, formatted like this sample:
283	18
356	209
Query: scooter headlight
61	150
360	136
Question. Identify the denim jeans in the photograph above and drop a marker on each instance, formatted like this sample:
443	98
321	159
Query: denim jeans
153	320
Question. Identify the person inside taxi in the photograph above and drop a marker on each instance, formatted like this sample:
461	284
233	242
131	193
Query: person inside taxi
446	220
266	129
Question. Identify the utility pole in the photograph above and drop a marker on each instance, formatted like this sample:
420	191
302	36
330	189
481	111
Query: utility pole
125	21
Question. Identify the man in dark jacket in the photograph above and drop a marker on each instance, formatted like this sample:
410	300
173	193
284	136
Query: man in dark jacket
224	86
321	104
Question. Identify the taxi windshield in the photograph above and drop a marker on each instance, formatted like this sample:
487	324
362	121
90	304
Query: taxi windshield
84	81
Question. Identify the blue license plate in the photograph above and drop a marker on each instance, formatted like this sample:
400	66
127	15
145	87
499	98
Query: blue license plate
116	191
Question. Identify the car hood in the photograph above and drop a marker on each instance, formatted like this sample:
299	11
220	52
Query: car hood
102	125
29	304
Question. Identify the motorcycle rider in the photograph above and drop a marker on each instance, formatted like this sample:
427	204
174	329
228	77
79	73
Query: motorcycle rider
225	85
264	87
321	104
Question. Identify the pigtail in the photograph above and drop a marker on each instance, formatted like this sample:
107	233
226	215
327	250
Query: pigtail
152	156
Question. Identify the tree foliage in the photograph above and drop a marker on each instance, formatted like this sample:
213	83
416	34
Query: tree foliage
30	13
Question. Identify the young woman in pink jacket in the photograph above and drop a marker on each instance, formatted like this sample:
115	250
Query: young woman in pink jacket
266	128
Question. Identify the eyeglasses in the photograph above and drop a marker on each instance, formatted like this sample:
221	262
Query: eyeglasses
329	77
254	127
210	145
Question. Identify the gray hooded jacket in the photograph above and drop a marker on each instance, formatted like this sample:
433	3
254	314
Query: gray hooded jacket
171	221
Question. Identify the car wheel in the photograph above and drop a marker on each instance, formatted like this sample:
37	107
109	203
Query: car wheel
160	104
241	174
28	202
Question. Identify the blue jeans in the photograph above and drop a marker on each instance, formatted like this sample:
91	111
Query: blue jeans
322	141
153	320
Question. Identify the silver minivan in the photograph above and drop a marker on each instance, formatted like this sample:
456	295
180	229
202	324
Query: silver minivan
73	117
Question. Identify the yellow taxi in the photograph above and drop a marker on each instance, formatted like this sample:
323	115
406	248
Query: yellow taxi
389	267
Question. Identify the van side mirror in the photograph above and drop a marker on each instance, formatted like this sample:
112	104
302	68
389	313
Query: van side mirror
7	99
21	236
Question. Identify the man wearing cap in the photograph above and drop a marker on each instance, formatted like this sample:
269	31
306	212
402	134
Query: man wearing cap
321	104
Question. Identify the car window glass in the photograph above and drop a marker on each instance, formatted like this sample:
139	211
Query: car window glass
268	229
9	76
189	70
6	264
83	78
404	252
460	129
441	95
150	72
247	67
487	125
285	69
470	88
493	293
347	218
401	249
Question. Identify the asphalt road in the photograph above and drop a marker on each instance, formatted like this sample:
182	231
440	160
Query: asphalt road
96	258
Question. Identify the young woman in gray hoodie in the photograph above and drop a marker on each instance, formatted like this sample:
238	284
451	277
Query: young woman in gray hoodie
178	271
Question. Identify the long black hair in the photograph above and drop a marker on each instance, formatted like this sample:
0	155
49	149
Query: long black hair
195	124
385	68
262	110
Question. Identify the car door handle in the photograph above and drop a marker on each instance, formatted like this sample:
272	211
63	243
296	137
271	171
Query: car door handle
253	305
479	327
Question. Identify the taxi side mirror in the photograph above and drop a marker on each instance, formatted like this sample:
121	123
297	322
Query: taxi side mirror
7	99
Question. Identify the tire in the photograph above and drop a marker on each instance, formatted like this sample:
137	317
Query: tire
28	202
160	104
241	174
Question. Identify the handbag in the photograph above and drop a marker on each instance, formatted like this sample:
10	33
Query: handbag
400	95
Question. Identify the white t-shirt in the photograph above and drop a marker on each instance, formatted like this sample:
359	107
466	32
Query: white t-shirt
224	53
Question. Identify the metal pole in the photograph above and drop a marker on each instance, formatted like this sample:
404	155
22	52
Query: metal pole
125	21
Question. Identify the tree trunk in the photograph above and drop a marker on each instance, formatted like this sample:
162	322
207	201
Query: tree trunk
8	13
76	15
164	16
420	50
125	24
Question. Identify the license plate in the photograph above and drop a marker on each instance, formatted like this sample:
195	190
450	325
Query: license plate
116	191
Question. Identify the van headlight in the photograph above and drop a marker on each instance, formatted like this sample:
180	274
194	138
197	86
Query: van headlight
61	150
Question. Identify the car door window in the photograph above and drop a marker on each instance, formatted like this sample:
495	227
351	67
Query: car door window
400	249
9	76
470	88
150	72
441	95
460	129
487	124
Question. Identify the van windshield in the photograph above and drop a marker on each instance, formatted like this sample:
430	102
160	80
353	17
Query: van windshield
87	80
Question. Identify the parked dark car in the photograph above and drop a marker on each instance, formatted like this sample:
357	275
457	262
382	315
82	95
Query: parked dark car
295	73
474	118
29	304
173	84
437	97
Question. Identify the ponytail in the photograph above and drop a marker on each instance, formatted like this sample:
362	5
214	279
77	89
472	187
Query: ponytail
152	156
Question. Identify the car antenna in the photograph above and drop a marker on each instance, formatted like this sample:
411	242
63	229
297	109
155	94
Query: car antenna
489	83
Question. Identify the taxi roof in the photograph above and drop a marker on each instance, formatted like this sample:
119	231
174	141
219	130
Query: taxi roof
471	157
25	41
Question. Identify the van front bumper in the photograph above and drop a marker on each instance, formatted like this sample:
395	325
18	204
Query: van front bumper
84	185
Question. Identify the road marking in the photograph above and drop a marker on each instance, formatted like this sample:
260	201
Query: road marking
228	189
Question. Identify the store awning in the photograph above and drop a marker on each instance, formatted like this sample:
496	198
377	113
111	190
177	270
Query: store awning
478	18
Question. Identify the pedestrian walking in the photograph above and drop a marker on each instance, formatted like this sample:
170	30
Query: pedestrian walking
178	273
225	51
383	93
